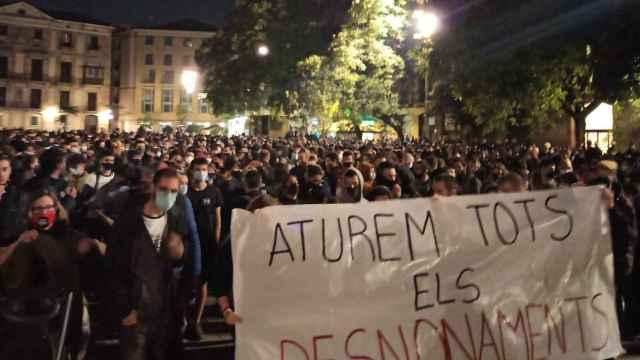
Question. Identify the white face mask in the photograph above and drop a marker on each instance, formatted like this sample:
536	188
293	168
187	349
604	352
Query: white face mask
184	189
76	172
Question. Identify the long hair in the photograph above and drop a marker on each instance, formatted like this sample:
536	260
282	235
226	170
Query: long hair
61	213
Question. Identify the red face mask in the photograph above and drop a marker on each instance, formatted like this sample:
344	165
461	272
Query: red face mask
43	219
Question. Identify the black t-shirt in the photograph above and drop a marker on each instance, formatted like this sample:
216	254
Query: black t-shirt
204	204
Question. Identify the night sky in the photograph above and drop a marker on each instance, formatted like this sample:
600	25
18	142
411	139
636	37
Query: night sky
143	12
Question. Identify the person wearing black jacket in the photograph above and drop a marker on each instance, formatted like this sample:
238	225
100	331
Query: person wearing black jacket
145	252
52	167
11	204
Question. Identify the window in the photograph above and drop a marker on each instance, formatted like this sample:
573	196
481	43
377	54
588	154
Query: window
168	41
38	34
186	60
168	60
36	99
66	40
148	40
34	121
188	42
167	101
65	99
148	59
147	100
3	96
93	75
4	30
92	102
65	72
22	12
4	66
150	76
94	43
185	101
167	77
36	69
203	104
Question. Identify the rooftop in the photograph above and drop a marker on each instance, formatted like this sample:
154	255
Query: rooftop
184	25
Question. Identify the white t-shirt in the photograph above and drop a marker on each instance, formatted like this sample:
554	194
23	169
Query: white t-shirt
102	180
156	228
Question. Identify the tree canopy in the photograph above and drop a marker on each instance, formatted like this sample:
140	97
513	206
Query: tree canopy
521	61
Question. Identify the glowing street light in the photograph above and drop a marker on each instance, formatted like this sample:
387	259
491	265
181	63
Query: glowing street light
427	24
263	50
50	113
189	81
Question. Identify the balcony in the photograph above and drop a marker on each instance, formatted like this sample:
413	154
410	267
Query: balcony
92	81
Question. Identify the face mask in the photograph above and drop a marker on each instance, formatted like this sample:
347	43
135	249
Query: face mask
165	200
135	162
44	219
83	148
292	189
159	154
107	167
184	189
294	156
373	176
200	176
188	159
76	171
347	165
75	150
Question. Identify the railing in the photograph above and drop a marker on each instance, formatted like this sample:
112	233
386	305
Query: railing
93	81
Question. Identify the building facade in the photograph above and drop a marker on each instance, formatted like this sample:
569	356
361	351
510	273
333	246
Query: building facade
55	70
158	81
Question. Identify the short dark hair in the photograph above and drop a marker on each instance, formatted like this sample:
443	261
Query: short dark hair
313	170
378	191
199	161
50	159
350	173
164	173
253	179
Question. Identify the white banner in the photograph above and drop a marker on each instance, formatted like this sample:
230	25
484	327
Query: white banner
504	276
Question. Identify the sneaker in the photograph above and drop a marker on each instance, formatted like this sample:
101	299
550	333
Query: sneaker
194	332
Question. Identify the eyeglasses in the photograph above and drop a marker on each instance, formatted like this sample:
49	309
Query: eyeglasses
42	208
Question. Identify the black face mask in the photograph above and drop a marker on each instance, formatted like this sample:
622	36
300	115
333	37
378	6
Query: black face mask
347	165
237	174
354	192
135	162
108	166
292	190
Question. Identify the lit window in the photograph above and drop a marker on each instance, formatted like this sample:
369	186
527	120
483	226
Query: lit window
167	101
147	100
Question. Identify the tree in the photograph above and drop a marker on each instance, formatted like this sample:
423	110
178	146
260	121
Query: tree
362	71
243	81
519	61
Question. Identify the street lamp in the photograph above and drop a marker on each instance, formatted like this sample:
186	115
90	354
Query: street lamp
426	25
263	50
50	114
189	81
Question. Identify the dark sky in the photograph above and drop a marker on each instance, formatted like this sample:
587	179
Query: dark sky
142	12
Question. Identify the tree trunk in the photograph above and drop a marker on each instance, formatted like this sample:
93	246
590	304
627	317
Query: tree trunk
580	123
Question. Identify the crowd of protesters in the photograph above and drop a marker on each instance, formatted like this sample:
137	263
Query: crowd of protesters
143	219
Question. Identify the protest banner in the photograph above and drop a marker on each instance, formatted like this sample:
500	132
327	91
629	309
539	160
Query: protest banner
503	276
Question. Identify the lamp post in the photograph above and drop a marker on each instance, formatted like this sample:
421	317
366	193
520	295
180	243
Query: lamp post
426	25
189	80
